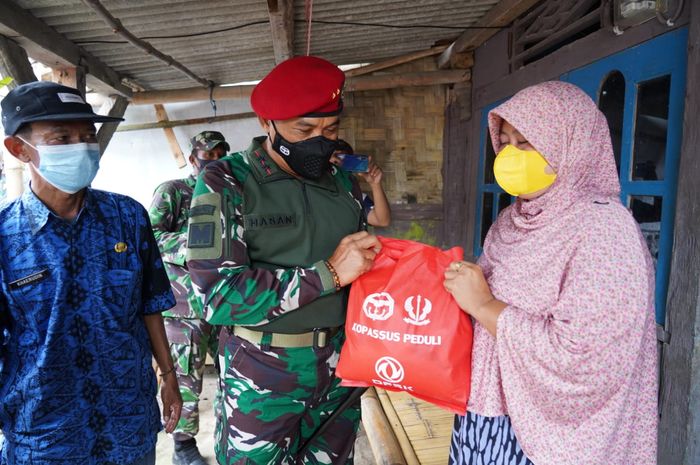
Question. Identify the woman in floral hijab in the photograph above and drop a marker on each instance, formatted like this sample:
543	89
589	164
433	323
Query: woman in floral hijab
564	358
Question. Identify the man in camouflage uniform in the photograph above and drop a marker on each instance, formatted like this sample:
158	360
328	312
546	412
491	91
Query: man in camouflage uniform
275	237
189	335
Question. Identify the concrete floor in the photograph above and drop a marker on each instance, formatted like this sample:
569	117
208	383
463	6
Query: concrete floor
205	438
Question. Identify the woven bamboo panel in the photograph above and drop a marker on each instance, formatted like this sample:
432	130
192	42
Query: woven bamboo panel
429	428
402	128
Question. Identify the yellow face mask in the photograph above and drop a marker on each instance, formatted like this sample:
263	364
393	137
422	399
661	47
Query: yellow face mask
521	172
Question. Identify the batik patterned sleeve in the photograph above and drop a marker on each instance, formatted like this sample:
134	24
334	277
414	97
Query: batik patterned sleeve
4	329
156	295
233	292
163	214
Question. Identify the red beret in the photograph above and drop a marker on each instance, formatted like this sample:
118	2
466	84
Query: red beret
300	86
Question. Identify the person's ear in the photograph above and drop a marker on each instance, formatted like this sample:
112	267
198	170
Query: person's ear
191	159
265	124
18	148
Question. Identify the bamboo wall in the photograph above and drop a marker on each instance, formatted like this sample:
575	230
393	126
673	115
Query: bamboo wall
403	129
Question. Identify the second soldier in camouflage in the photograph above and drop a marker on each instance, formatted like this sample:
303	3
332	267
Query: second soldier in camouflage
189	335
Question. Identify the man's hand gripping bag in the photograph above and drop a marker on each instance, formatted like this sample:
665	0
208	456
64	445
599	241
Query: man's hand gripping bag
404	331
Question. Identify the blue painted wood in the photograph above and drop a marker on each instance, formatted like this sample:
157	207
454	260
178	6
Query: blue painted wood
662	56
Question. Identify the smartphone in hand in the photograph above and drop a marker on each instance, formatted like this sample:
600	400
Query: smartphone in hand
353	162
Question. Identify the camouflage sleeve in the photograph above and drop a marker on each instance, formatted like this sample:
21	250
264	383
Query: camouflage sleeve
163	215
232	291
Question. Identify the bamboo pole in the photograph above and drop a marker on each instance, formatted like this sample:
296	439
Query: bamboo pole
395	422
384	444
162	117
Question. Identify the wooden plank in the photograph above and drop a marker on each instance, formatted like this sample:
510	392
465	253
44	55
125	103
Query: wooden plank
679	425
46	45
162	115
382	440
399	60
454	168
117	108
73	76
14	63
184	122
501	15
421	78
282	27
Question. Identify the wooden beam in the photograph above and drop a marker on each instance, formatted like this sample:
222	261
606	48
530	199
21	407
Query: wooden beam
117	107
162	115
183	122
500	15
399	60
46	45
679	425
191	94
73	76
282	27
14	63
384	81
390	81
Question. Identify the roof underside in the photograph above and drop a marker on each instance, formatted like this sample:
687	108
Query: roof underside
246	53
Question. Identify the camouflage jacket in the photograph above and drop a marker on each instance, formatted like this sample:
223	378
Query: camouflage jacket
169	213
223	274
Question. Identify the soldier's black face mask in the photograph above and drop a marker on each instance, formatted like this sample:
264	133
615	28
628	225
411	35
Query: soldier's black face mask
309	158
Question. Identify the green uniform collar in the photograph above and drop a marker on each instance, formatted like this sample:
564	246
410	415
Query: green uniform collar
266	170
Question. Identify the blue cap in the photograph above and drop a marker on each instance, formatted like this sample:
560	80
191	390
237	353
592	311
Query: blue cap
46	101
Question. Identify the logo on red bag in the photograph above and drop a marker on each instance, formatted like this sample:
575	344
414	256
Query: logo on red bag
418	314
378	306
389	369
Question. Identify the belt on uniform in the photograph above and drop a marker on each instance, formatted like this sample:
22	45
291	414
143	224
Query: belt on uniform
319	337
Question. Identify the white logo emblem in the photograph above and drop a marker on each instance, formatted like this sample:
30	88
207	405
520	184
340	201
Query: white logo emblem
418	314
284	150
389	369
378	306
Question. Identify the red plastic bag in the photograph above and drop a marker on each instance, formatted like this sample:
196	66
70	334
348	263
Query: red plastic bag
404	331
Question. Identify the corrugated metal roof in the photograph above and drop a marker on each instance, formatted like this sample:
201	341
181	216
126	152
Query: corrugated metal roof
246	54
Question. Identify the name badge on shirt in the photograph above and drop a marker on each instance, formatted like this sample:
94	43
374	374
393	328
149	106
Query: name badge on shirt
31	279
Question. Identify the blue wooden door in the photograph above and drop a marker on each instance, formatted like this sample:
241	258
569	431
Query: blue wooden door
641	92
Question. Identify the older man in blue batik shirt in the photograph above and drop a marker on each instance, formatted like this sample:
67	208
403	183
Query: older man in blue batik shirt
83	286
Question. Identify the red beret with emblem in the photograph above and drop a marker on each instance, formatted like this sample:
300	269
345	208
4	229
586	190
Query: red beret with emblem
301	86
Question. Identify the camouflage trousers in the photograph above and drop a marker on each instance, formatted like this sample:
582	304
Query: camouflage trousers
190	340
275	398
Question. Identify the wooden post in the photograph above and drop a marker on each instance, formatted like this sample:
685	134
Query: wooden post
282	28
161	115
73	76
456	181
14	63
117	108
679	425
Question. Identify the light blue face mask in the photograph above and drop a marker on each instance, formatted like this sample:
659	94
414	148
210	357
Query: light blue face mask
68	168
